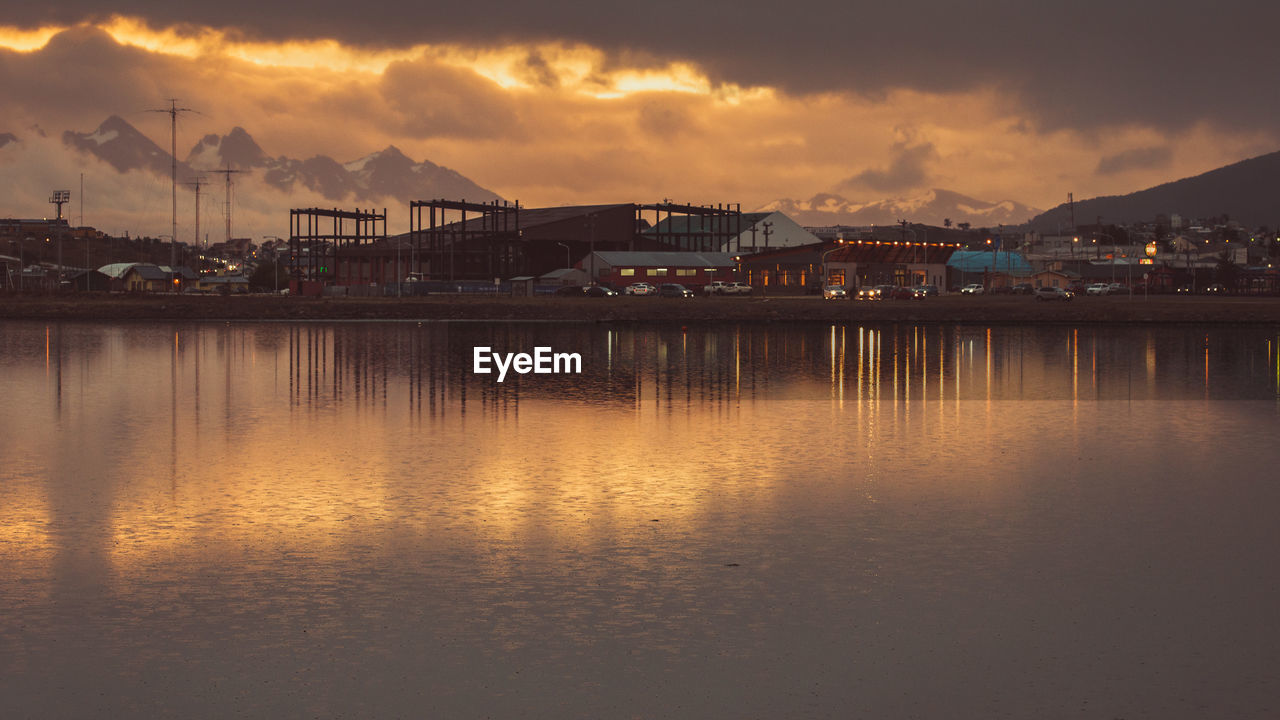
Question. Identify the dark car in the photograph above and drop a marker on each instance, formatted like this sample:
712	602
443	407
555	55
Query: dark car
1022	289
598	291
924	291
571	291
674	290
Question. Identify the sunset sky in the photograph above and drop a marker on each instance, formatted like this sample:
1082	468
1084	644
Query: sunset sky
564	101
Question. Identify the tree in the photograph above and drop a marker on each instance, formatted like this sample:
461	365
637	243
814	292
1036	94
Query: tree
946	222
267	277
1227	270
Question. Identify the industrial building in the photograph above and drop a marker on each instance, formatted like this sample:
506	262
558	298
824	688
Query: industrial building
459	242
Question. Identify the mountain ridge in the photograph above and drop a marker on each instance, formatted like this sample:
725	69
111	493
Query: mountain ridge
1246	191
387	173
932	207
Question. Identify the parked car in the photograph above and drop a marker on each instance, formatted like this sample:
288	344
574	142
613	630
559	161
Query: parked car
1023	289
924	291
835	292
1117	289
868	293
971	289
640	288
721	287
901	293
1053	293
674	290
571	291
598	291
1098	289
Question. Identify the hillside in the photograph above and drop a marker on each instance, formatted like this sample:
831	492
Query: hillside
1247	191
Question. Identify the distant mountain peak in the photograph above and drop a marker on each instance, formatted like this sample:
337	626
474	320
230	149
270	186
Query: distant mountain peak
382	175
931	207
122	146
237	150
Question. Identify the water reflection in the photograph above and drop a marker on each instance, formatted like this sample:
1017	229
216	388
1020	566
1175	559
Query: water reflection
427	368
313	503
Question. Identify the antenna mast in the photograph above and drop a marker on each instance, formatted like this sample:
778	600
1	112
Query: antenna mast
227	173
173	111
197	184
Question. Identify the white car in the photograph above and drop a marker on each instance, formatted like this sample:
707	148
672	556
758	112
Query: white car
1053	293
971	289
835	292
640	288
1098	289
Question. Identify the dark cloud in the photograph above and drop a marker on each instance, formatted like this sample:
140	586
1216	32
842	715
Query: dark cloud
535	70
1165	63
1146	158
907	170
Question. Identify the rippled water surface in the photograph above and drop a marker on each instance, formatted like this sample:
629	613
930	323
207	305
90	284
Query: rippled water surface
282	520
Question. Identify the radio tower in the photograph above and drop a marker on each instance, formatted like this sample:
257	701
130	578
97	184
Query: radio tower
227	173
197	184
173	111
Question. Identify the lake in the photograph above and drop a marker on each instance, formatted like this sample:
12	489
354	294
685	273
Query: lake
343	519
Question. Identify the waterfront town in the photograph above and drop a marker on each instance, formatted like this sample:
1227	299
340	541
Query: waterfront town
460	248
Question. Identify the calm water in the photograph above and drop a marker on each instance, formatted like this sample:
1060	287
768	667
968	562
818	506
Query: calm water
280	520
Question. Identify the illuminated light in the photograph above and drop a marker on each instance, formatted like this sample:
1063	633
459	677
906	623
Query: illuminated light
20	40
582	69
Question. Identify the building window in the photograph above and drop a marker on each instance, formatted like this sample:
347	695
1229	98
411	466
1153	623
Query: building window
686	272
657	272
627	272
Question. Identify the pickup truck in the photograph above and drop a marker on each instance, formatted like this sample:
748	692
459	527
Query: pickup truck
719	287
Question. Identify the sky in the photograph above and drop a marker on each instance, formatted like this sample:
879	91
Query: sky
567	101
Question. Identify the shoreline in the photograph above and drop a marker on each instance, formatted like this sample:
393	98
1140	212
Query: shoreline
949	309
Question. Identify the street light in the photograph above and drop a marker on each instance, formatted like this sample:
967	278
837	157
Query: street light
567	262
825	277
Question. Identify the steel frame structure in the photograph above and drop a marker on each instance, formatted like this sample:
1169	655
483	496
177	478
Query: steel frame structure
321	240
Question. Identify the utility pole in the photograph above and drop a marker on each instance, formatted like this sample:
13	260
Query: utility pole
227	173
197	183
764	274
173	111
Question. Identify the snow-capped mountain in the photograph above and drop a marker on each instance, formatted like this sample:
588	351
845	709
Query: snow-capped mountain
931	208
389	173
236	150
382	176
124	148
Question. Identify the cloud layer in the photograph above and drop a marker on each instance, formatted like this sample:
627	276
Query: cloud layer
567	103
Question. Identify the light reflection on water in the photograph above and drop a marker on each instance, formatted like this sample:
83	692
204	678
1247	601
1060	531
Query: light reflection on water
281	519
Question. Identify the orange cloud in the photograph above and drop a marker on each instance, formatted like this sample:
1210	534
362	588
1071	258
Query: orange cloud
552	122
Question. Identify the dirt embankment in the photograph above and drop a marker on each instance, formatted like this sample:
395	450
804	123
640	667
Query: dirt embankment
948	309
